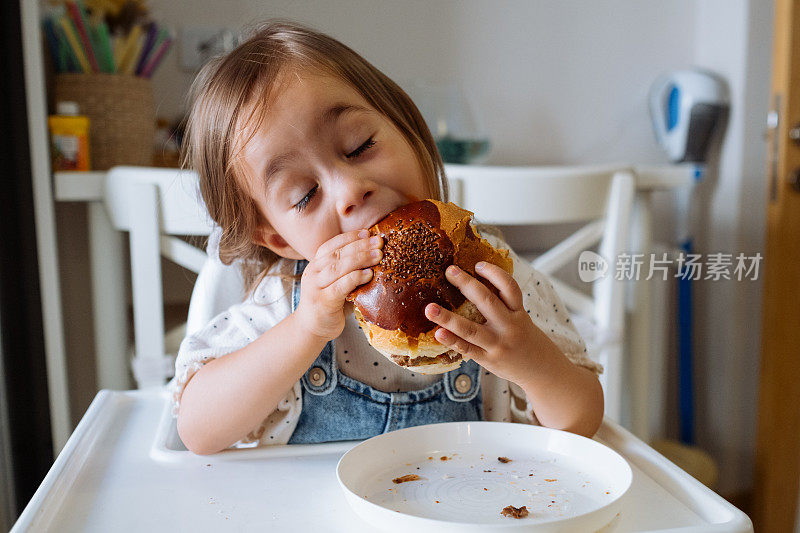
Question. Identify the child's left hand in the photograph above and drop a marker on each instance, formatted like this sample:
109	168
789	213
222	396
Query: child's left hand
508	344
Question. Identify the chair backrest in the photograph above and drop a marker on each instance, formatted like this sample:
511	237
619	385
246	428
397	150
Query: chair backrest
531	195
155	205
602	197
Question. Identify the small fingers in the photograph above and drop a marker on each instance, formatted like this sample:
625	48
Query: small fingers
476	292
339	289
340	241
366	244
509	289
466	329
360	254
459	345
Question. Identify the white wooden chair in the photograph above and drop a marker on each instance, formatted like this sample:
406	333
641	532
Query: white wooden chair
155	206
600	196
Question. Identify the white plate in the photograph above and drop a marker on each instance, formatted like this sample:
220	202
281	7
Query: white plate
567	482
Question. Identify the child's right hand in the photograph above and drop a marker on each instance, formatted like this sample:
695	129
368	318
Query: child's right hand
339	266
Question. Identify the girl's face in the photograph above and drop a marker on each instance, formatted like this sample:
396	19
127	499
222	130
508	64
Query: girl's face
323	163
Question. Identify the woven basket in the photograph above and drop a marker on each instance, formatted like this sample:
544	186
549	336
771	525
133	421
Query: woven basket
121	112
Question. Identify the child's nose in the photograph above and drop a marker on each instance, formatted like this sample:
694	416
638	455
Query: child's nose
354	194
349	208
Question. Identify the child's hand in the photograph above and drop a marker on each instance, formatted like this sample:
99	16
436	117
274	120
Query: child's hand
339	266
508	343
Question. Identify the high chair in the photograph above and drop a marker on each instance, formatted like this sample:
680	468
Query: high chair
155	206
601	197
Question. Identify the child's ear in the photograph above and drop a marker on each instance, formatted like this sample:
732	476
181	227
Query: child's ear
269	238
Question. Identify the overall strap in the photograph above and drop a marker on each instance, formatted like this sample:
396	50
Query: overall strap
463	383
321	378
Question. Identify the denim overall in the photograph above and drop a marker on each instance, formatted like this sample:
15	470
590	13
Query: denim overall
338	407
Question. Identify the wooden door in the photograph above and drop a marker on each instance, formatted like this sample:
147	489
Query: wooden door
778	440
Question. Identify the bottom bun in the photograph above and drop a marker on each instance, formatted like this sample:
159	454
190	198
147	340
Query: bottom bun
439	364
435	368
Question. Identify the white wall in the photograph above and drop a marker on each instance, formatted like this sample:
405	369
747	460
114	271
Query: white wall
566	83
734	37
557	82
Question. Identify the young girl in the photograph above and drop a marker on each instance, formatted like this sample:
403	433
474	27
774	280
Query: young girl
300	145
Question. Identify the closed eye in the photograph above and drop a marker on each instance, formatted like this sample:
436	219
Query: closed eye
369	143
306	199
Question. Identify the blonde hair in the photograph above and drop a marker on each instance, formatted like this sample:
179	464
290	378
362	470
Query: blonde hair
233	90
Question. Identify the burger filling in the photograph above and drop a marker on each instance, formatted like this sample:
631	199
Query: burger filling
447	357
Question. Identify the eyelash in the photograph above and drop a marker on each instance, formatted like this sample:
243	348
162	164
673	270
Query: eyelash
369	143
307	198
302	204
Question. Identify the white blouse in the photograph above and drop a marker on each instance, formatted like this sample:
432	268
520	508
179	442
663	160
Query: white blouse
270	303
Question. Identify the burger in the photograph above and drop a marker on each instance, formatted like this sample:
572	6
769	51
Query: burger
421	240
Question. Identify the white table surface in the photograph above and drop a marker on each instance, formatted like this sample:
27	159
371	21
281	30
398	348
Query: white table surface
111	476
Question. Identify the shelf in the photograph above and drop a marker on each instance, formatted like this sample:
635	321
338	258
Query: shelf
71	186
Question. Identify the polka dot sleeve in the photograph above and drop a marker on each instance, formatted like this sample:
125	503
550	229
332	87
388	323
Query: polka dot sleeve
230	331
546	309
548	312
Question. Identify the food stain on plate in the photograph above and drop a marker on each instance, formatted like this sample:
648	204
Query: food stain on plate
448	487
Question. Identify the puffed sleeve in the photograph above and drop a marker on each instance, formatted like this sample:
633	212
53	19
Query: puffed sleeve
548	312
232	330
546	309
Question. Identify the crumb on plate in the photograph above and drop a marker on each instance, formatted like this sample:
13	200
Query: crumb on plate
407	477
515	512
504	459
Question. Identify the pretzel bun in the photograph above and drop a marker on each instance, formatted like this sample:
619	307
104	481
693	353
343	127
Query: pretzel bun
421	240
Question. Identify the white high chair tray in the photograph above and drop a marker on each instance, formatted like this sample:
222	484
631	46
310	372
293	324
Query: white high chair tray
118	472
458	477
